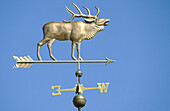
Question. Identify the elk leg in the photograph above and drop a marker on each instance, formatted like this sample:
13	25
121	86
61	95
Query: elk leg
78	51
72	52
41	43
50	43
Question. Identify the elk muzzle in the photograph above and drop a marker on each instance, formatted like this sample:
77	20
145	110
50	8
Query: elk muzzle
106	22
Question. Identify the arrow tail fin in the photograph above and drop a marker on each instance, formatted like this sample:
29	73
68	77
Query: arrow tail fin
22	59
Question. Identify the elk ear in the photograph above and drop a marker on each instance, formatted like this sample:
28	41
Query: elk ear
89	20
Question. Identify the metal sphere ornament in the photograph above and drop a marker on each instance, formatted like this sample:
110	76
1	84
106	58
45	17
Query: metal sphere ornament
79	101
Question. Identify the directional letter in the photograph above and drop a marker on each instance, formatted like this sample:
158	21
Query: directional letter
103	87
58	90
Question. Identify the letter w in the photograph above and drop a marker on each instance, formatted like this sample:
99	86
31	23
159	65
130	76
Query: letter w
103	87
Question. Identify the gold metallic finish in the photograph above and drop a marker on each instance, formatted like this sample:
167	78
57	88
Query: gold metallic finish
23	61
81	14
59	90
79	88
79	66
76	31
26	61
101	88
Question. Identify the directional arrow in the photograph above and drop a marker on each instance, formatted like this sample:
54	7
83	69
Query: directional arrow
26	61
79	88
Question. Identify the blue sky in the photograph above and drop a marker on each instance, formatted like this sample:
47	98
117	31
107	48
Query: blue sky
137	37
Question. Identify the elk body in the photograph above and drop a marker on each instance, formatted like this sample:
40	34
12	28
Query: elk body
76	31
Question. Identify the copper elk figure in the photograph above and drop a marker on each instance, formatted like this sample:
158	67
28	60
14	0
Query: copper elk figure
76	31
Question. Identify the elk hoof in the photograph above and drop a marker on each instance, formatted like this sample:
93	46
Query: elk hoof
39	59
80	59
74	58
54	59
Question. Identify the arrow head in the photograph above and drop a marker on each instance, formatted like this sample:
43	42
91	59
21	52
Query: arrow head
109	61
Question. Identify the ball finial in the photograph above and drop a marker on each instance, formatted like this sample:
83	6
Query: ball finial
79	73
79	101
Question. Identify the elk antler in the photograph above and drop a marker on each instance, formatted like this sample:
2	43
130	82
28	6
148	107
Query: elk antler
98	11
81	14
87	10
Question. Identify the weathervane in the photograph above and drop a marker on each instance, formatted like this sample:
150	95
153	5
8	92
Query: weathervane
76	31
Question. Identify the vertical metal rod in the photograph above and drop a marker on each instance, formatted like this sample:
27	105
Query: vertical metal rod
78	78
78	65
78	83
78	75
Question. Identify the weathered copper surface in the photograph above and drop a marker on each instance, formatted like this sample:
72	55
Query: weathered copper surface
76	31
